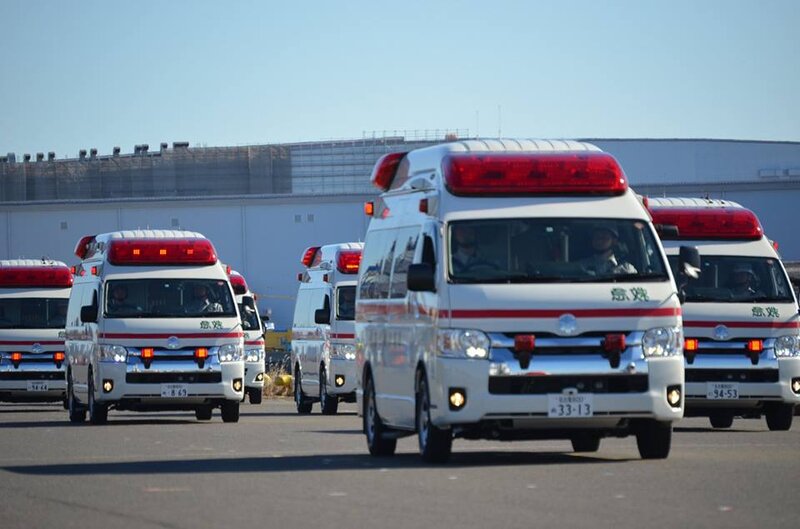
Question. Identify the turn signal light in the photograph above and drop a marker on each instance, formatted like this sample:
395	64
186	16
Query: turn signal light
614	343
201	353
369	208
148	353
691	345
524	342
58	357
16	357
755	346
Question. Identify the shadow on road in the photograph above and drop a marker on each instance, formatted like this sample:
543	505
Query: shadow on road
304	463
694	429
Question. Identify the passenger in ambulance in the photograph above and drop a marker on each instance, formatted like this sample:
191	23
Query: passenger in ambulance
201	304
744	283
118	302
59	319
466	254
605	248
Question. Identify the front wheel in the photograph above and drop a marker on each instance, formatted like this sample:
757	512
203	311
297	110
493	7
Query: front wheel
377	443
98	411
586	442
303	405
203	413
77	413
329	404
435	444
230	411
654	439
779	416
721	419
255	395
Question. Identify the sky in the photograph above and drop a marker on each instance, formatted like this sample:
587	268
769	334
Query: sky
77	75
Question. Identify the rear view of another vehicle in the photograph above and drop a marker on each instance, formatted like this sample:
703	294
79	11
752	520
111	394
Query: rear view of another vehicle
34	295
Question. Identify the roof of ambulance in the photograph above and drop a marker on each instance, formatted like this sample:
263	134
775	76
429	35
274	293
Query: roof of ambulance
682	202
30	262
436	152
149	234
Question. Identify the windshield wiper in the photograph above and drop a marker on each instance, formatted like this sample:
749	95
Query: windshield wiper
618	278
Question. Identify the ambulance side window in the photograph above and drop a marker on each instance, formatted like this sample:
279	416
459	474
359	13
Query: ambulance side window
377	252
405	248
75	303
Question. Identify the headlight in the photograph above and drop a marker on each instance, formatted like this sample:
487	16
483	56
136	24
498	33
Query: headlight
463	343
113	353
344	350
254	355
662	341
786	346
230	352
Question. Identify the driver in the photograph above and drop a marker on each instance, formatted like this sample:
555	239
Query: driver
118	300
604	260
744	282
466	254
201	304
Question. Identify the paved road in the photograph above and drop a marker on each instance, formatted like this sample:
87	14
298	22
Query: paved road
276	469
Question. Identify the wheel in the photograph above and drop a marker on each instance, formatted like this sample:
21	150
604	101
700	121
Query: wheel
230	411
779	416
255	395
77	413
65	403
98	411
203	413
654	439
586	442
303	405
374	429
329	404
435	444
721	419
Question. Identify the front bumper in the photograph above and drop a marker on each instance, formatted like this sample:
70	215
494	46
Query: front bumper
337	368
24	382
530	411
254	374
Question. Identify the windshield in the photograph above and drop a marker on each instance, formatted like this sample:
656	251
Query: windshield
247	309
346	303
168	298
734	279
553	251
33	313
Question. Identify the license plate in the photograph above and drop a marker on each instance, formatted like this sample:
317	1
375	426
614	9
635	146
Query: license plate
722	391
174	390
570	405
35	385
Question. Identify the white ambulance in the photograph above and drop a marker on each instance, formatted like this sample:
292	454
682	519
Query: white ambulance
742	348
152	325
33	307
323	350
253	338
514	289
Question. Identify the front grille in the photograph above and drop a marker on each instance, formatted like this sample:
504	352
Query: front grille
540	385
732	375
32	375
733	352
157	378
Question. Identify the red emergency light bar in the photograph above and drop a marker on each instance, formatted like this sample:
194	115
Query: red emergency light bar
82	248
514	174
35	276
710	223
385	169
161	252
238	283
348	261
309	255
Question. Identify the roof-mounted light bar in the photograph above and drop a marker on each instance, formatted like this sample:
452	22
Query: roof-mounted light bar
309	255
35	276
701	223
133	252
239	284
385	169
526	174
347	261
82	248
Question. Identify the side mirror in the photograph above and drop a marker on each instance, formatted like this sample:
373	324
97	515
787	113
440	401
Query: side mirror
322	316
89	314
267	326
421	278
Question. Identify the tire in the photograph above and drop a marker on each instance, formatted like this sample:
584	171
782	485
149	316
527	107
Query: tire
374	429
654	439
230	411
586	442
779	416
435	444
98	411
203	413
721	419
255	395
329	404
77	413
301	402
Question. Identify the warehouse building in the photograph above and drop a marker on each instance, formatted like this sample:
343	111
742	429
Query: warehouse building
263	204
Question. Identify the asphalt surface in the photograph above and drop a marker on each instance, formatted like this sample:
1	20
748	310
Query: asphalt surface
277	469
